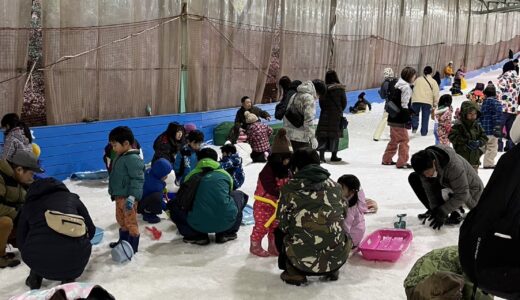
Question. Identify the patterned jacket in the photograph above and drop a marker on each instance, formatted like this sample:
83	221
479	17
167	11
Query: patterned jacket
258	136
233	165
310	212
491	115
305	103
508	91
444	117
15	140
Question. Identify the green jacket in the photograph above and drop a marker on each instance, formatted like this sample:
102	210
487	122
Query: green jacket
127	176
437	274
464	131
214	210
12	194
310	212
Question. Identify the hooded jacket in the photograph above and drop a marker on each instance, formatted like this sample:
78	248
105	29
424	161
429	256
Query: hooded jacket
12	194
127	175
153	182
464	131
453	172
304	101
50	254
332	105
15	140
310	212
233	165
508	91
354	223
214	210
403	117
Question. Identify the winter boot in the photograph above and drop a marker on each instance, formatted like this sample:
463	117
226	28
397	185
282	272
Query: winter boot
8	261
201	240
256	249
134	242
221	238
332	276
293	276
34	281
335	157
151	218
123	236
272	245
322	156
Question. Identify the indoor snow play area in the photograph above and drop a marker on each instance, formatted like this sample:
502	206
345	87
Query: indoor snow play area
71	72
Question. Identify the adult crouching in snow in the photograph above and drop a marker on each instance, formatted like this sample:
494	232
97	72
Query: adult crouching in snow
215	208
444	181
332	105
304	104
55	253
168	143
247	106
308	247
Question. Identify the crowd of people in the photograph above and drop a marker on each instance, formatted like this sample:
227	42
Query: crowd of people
312	221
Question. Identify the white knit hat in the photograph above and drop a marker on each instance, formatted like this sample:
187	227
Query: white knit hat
250	117
388	72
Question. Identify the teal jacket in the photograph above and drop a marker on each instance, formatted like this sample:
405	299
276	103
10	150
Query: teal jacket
214	210
127	176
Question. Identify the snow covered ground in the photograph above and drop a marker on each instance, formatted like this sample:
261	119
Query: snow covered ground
170	269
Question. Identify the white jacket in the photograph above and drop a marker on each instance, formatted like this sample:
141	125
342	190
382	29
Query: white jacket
304	100
423	93
515	131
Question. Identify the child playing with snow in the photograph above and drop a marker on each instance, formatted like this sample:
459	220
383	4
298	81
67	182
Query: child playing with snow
258	137
125	184
154	184
232	163
186	160
361	105
443	117
354	223
467	135
275	174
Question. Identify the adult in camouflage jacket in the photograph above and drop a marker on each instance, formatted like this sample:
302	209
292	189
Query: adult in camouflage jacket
310	238
438	275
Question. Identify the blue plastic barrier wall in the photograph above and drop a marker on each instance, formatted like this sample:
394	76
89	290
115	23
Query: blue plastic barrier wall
71	148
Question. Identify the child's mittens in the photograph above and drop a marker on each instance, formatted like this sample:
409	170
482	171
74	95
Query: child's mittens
130	201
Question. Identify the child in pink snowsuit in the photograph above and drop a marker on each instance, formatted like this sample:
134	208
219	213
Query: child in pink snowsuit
443	115
354	223
272	178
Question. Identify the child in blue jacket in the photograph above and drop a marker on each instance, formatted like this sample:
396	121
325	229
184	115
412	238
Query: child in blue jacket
186	160
490	120
232	163
154	183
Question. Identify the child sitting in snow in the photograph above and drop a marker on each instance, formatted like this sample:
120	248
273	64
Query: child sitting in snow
443	117
456	89
467	135
275	174
186	159
361	105
354	223
258	137
154	183
232	163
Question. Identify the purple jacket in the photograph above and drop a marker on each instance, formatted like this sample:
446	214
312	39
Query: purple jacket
354	223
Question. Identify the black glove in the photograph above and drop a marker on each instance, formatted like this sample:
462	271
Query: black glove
497	132
474	144
437	218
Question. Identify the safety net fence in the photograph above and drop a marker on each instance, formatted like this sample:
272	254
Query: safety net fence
128	58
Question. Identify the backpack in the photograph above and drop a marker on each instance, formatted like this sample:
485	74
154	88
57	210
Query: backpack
489	240
281	107
66	224
188	190
293	115
393	99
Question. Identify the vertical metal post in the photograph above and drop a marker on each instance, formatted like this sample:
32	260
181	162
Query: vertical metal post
466	48
184	58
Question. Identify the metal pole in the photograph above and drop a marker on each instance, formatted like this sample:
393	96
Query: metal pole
466	48
184	58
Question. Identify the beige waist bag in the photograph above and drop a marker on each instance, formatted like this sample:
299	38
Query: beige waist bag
66	224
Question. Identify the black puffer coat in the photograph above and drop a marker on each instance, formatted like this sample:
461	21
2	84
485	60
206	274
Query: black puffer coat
50	254
332	106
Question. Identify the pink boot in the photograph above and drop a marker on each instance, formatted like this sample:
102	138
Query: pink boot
256	249
272	246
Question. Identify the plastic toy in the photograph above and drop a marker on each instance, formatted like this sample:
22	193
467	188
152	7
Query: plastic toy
400	224
98	236
386	244
156	233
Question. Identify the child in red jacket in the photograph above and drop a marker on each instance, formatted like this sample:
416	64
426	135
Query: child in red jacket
275	174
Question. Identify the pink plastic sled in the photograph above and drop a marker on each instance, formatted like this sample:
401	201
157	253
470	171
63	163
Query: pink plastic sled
386	244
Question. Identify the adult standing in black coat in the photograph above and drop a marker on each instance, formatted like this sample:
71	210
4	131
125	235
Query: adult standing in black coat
332	105
47	253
